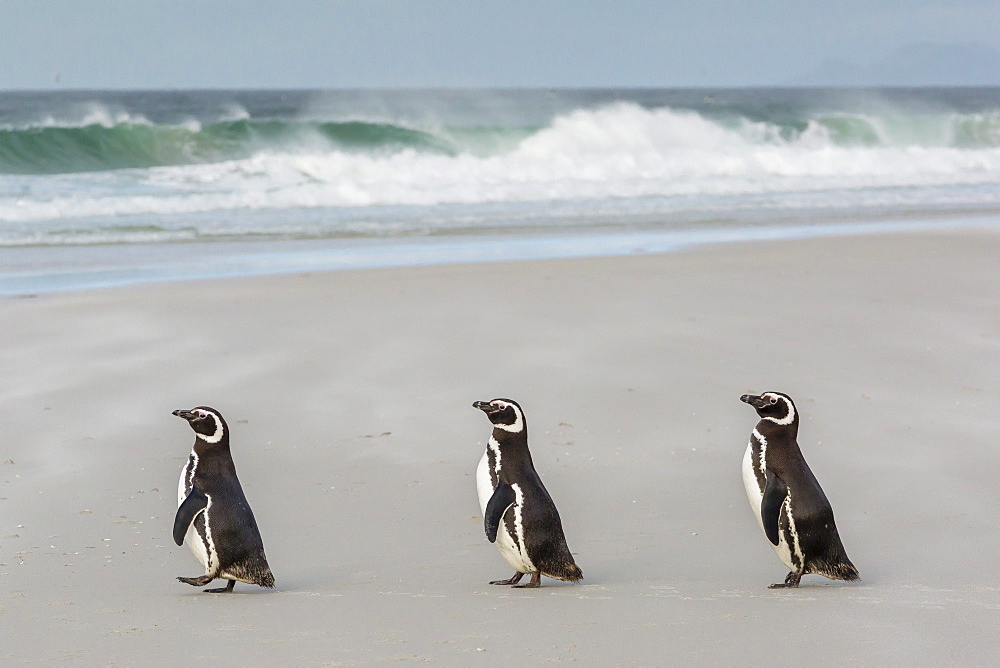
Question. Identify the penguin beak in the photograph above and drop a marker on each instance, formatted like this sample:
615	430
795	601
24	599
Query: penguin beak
187	415
753	400
484	406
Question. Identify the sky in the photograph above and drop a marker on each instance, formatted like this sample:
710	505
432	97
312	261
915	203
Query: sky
176	44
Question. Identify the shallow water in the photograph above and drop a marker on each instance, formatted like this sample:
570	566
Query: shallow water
85	175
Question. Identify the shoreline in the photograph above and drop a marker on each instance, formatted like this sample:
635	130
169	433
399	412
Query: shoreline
39	270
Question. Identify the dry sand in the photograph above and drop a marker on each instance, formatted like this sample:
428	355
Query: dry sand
349	397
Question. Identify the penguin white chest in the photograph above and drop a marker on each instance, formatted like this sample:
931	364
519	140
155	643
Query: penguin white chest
511	545
789	552
511	540
203	548
184	484
755	496
484	482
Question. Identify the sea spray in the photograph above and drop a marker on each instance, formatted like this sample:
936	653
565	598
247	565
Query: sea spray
159	167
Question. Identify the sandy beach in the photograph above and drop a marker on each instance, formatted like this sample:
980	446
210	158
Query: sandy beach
349	398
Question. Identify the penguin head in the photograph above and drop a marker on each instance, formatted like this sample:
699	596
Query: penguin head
773	406
505	414
206	422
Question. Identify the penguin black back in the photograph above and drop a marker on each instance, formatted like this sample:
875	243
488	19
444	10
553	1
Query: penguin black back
792	508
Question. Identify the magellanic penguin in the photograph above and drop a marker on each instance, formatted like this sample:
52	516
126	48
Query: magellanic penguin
518	512
213	516
786	497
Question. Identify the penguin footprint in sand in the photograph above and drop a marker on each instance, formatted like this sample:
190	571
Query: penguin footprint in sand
786	497
518	512
213	516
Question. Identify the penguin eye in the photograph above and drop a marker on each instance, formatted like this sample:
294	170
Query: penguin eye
774	400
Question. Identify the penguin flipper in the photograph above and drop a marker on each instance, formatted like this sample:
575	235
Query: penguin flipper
195	502
502	499
775	492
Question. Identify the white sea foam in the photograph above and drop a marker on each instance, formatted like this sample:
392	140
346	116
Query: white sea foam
234	112
90	113
617	159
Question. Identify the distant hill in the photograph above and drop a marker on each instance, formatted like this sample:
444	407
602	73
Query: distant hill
912	65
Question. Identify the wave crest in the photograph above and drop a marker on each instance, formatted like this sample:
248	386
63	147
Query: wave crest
99	138
611	161
106	142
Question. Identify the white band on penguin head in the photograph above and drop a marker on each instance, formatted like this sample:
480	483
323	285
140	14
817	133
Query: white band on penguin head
789	416
219	430
518	422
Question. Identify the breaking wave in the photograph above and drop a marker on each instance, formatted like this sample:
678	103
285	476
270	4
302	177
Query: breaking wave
164	181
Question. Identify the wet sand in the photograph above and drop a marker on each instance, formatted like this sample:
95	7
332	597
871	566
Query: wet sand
349	397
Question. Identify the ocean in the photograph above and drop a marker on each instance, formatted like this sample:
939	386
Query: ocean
103	188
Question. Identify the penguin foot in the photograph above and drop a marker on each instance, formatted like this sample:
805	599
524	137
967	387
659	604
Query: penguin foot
514	579
222	590
197	582
791	580
536	581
